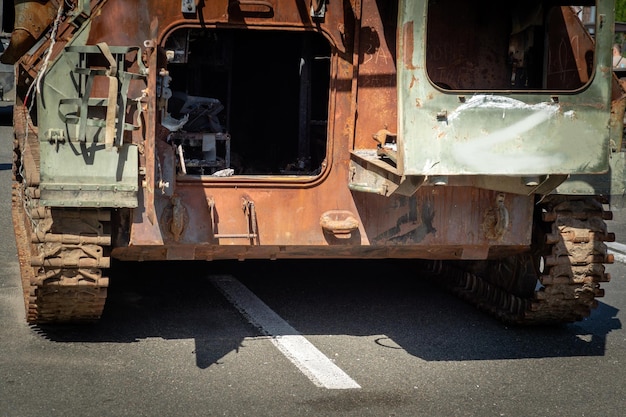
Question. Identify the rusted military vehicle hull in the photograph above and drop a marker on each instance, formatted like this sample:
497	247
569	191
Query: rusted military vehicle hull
481	137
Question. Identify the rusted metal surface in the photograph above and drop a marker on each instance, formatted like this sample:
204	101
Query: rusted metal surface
463	55
570	283
467	56
426	225
296	129
32	19
569	67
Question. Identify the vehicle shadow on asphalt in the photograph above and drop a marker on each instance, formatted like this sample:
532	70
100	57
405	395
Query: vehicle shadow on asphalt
357	298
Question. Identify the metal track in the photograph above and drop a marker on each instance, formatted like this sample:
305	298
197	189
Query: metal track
61	251
566	267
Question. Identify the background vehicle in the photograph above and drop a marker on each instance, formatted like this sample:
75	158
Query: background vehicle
482	137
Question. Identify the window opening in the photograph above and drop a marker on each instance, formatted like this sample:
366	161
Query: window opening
498	45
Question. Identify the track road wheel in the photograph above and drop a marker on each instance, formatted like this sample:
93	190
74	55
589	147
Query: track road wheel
558	281
61	252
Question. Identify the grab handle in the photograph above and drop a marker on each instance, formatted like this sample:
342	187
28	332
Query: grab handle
257	8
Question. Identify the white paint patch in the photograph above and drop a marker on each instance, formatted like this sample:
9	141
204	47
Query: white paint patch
311	362
477	153
482	101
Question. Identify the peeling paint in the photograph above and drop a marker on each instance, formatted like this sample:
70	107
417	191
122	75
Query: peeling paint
483	101
429	165
478	151
570	114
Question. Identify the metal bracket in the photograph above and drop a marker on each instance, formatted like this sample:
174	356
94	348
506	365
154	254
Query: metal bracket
250	213
55	136
75	110
188	6
318	9
369	173
496	221
81	12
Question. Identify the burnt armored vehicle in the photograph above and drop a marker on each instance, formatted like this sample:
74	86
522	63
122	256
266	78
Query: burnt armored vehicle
483	137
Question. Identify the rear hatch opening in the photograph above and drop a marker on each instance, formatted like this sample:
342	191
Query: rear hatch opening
248	102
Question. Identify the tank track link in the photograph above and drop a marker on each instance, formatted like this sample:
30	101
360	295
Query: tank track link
61	252
565	268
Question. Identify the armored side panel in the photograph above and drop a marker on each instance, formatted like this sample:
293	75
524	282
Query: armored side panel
83	102
503	128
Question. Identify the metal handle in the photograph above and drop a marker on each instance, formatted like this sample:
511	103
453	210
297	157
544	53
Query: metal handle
252	6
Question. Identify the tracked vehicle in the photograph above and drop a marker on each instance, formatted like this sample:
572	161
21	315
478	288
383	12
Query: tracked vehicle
482	137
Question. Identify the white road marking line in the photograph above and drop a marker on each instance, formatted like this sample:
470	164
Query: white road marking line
311	362
618	250
619	257
616	246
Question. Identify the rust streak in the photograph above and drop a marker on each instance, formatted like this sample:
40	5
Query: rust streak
409	45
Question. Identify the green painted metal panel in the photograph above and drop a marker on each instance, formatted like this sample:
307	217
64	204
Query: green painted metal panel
78	167
499	132
89	176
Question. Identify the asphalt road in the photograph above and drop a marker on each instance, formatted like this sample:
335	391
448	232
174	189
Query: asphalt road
172	343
